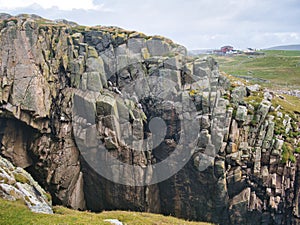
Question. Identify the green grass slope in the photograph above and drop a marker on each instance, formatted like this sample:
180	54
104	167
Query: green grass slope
280	68
16	213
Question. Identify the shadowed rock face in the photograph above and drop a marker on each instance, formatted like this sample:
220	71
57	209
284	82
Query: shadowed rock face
124	85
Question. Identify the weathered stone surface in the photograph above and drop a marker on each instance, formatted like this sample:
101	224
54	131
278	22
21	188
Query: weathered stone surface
238	94
219	168
17	184
241	113
234	132
264	108
70	98
106	105
157	47
94	82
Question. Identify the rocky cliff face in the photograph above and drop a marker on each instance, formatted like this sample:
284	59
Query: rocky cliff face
73	99
17	184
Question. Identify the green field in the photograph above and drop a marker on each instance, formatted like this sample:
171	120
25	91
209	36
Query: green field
280	68
16	213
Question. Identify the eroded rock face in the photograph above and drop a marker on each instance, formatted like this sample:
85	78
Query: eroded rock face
17	184
123	85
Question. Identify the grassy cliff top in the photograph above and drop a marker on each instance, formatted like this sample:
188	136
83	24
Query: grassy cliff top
280	69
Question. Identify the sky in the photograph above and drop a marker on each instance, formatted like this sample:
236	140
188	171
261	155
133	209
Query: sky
196	24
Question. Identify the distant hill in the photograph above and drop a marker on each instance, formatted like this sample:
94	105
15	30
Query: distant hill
199	52
285	47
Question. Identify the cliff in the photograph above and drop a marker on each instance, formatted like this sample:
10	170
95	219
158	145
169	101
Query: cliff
105	118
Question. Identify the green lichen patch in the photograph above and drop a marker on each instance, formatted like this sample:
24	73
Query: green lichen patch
21	178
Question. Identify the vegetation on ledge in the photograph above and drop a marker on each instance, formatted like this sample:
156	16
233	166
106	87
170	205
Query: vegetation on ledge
285	109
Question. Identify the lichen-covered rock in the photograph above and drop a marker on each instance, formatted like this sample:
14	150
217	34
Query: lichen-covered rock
73	100
238	94
241	113
17	184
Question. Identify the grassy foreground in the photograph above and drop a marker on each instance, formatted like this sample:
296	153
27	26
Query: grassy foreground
16	213
281	68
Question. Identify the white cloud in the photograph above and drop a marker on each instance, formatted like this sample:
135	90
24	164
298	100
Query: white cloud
193	23
284	37
46	4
